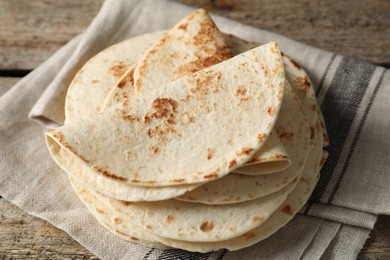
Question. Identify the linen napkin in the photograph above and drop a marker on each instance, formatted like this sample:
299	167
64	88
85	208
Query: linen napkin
354	182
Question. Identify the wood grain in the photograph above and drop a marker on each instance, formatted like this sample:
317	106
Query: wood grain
30	31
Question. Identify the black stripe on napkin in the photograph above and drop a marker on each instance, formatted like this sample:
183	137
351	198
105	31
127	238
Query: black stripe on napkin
355	139
170	254
148	254
339	107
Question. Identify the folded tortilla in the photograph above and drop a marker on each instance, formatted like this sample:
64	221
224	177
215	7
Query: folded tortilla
166	123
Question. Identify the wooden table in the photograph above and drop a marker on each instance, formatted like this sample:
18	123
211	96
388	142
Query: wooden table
30	31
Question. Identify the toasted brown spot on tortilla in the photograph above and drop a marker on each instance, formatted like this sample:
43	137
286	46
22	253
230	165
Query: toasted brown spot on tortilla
280	156
130	237
241	90
210	153
249	235
284	134
118	69
149	227
109	174
257	218
129	78
117	220
135	181
232	163
163	108
177	180
126	203
100	211
59	136
206	226
245	150
288	210
303	83
183	26
170	219
232	229
270	110
261	137
294	63
95	81
211	175
154	150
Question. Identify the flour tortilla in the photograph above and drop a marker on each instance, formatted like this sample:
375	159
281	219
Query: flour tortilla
272	155
109	219
168	114
293	130
193	44
91	85
295	75
279	218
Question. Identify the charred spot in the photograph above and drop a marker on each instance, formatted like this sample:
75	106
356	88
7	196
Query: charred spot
261	137
109	174
202	81
170	219
117	220
183	26
288	210
127	236
257	218
284	134
118	69
232	163
303	83
212	175
206	226
177	180
129	78
241	90
280	156
249	235
210	153
154	150
294	63
95	81
126	203
135	181
164	108
245	151
270	110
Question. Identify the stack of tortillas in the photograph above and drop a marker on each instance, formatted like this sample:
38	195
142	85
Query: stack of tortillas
191	138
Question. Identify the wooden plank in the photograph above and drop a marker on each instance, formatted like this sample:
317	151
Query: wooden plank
357	28
23	236
30	31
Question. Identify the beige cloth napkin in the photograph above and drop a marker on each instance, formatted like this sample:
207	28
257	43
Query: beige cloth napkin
354	183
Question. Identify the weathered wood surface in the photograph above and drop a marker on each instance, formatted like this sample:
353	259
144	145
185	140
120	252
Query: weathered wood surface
358	28
30	31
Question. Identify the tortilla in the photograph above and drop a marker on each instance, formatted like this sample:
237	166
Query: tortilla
91	85
272	155
166	123
292	128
